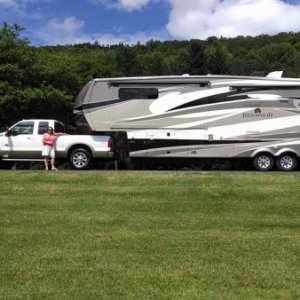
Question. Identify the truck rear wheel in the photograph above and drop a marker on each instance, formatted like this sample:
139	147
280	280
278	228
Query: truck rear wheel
263	162
80	159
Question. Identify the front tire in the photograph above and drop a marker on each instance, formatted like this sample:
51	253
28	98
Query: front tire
80	159
287	162
263	162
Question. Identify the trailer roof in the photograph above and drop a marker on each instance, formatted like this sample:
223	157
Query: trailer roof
190	79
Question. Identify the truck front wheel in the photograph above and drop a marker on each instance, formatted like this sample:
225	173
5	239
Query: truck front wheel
80	159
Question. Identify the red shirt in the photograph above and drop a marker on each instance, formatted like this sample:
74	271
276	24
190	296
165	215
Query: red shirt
49	139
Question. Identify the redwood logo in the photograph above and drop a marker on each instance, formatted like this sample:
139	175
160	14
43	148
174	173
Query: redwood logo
257	113
257	110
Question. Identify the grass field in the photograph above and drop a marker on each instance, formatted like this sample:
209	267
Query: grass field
134	235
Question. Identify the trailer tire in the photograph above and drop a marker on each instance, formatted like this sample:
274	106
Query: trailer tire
287	162
80	159
263	162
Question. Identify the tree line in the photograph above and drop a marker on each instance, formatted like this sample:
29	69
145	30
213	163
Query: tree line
43	82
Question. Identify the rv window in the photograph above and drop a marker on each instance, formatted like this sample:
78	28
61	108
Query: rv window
138	93
43	126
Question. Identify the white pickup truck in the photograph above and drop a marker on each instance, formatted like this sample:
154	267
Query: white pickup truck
23	142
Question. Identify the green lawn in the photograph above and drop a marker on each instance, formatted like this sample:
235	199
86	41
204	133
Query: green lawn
135	235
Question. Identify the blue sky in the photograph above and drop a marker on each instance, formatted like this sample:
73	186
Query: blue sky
51	22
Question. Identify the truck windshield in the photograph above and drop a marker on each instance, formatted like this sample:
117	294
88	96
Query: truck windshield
22	128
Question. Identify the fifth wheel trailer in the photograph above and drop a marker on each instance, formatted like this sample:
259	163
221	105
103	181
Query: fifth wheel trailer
208	116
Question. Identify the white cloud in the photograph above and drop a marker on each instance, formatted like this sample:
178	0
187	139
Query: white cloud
19	6
66	31
71	31
69	25
203	18
18	3
132	4
8	3
127	5
229	18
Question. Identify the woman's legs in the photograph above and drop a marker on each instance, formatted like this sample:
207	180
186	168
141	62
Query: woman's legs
52	154
52	163
46	163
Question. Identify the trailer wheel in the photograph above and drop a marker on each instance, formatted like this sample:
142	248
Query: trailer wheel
287	162
263	162
80	159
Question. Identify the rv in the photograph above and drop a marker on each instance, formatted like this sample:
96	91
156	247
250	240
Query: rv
209	116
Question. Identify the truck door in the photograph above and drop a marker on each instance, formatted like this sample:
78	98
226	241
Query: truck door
21	142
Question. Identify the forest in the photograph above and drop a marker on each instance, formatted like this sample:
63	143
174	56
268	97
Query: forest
43	82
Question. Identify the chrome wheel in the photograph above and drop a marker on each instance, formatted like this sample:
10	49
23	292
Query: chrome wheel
287	162
263	162
80	159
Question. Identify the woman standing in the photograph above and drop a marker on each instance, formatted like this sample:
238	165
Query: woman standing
48	152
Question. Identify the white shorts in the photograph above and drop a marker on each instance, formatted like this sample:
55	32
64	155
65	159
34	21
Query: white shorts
48	151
